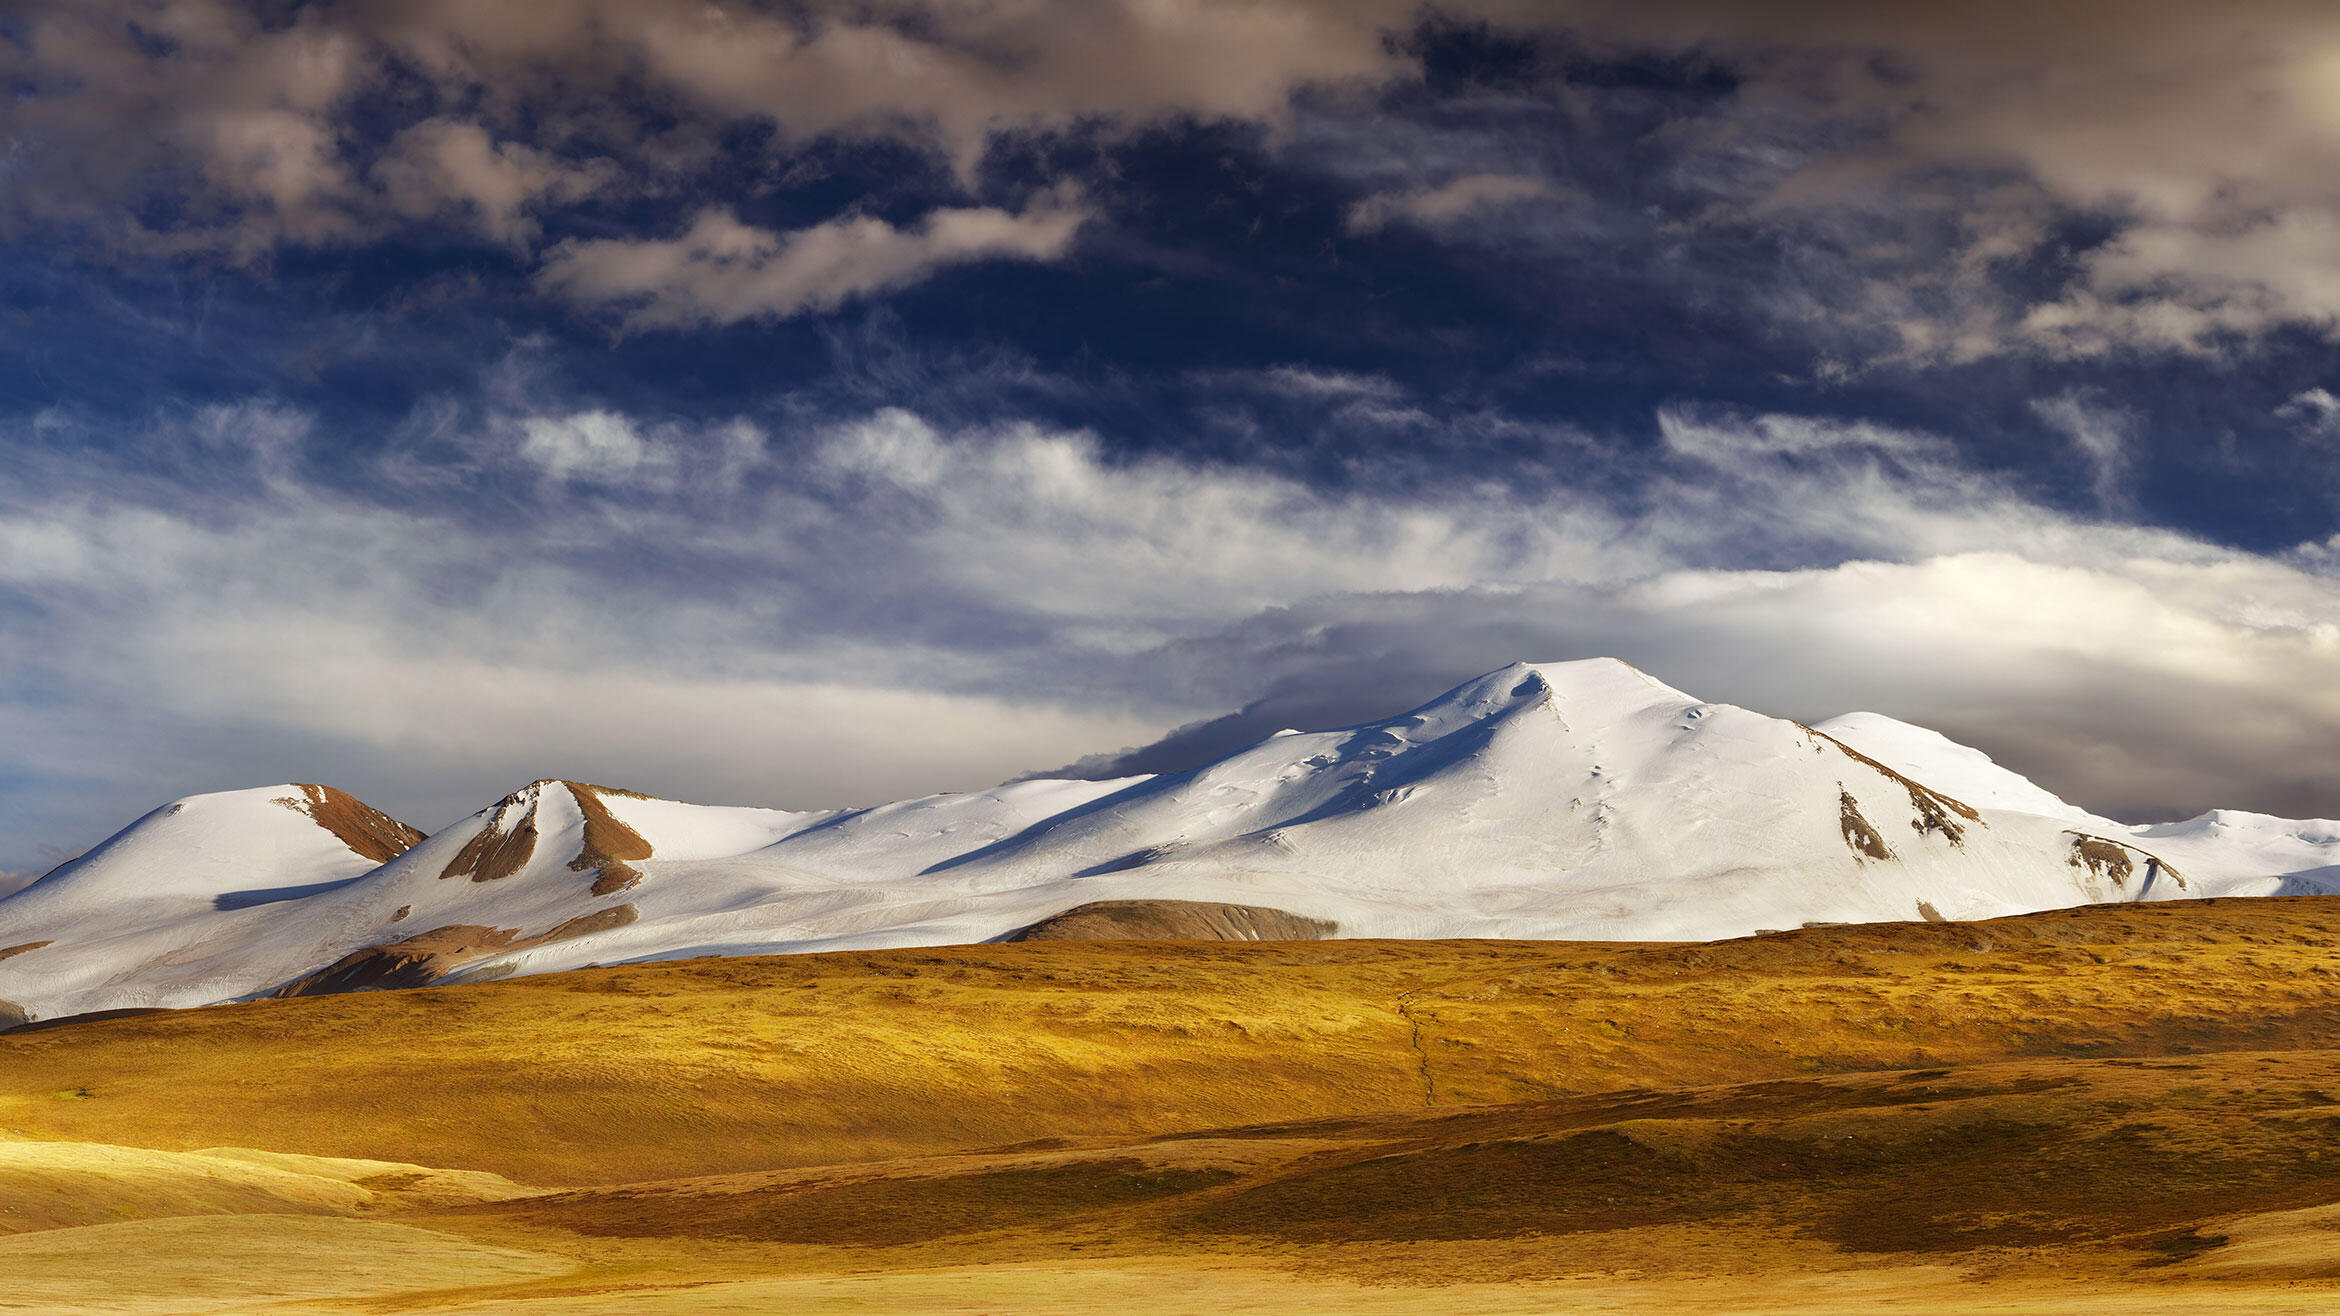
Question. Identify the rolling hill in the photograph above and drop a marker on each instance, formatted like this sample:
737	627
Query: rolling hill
2122	1108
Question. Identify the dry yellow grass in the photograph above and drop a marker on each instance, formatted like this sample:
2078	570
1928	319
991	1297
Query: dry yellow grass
1200	1287
53	1185
2120	1162
660	1070
216	1265
2118	1109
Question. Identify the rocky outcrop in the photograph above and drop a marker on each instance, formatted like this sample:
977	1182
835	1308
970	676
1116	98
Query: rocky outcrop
366	830
1174	920
428	957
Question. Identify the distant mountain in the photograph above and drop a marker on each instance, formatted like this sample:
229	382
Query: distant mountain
1580	800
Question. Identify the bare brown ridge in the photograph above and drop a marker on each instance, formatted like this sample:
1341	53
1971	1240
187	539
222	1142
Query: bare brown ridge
10	952
1858	833
493	852
506	843
1936	812
1174	920
610	845
367	831
428	957
2108	858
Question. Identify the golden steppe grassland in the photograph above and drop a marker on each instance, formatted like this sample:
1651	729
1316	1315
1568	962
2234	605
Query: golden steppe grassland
2116	1109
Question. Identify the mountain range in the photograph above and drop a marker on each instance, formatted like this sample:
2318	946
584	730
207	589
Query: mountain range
1582	800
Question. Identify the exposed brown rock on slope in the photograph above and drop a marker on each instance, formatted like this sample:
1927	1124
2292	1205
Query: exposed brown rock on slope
2118	860
495	852
509	838
427	957
610	847
10	952
736	1064
1174	920
367	831
1935	811
1859	835
2102	858
613	877
414	961
600	920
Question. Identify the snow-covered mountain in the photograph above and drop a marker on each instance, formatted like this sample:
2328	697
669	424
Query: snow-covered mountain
186	895
1567	800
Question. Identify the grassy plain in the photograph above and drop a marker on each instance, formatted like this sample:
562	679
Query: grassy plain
2114	1109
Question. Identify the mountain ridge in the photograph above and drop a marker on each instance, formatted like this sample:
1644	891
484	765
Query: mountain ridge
1580	800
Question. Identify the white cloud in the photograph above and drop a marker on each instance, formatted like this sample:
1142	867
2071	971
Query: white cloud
2202	136
451	166
2101	437
1729	437
722	271
1039	521
285	164
2316	409
1327	385
258	127
595	445
885	607
1449	201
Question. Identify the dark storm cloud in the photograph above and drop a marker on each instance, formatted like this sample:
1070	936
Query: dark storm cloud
1921	161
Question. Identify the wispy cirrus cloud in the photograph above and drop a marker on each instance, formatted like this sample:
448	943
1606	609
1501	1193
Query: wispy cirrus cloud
721	271
1448	201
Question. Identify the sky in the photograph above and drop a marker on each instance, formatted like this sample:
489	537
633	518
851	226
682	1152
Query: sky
813	404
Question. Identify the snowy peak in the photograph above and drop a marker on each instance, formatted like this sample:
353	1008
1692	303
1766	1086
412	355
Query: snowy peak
1595	689
1943	763
1610	681
560	826
2252	853
302	888
2242	822
183	906
209	846
521	831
